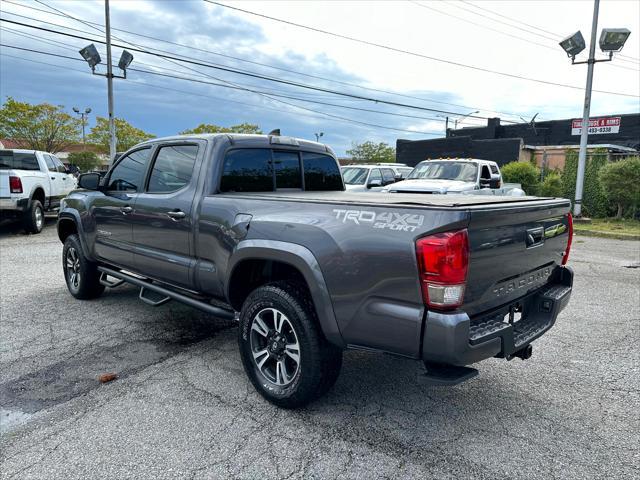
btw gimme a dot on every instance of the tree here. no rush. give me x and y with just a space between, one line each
209 128
551 186
621 183
85 161
372 152
524 173
126 134
39 127
594 200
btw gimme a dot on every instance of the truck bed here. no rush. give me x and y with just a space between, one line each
400 199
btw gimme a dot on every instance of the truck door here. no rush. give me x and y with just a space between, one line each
55 182
67 182
162 220
112 211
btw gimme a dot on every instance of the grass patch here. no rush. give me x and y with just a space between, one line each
610 225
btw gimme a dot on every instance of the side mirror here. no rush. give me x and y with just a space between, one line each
89 181
495 181
374 183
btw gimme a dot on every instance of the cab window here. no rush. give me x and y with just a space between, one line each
287 168
321 172
51 166
247 170
127 175
172 168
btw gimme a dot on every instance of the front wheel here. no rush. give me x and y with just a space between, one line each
282 348
81 275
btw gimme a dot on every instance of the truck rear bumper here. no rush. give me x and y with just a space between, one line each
456 339
13 206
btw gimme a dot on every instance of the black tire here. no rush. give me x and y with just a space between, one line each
319 362
81 275
34 217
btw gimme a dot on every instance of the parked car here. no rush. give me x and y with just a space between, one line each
455 176
369 178
31 183
259 228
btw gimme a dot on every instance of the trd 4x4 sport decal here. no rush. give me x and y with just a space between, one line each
405 222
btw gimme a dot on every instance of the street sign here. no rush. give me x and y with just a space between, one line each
597 126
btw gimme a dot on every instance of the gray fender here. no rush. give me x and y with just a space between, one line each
74 216
302 259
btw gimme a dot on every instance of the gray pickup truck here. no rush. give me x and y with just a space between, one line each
259 228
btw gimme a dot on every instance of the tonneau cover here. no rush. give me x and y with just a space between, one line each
408 200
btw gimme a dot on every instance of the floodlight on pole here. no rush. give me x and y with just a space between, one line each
318 135
459 120
91 56
611 40
573 44
83 120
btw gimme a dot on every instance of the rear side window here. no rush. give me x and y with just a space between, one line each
321 172
247 170
485 173
173 168
127 175
48 159
287 168
18 160
60 168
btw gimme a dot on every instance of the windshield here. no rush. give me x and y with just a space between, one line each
354 176
447 170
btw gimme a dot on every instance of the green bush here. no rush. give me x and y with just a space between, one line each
621 184
551 186
85 161
594 201
524 173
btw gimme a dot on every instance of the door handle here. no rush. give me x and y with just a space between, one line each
177 214
126 210
53 178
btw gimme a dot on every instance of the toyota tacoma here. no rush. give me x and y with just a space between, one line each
260 229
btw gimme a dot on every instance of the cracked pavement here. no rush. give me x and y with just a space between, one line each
183 408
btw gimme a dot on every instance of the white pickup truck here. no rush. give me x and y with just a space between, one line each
456 176
32 182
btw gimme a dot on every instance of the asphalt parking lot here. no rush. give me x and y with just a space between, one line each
182 406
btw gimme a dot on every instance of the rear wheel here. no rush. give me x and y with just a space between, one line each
283 351
34 217
81 275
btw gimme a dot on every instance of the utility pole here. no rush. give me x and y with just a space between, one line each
584 133
112 126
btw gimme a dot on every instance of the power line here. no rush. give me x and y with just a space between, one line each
555 49
344 119
233 84
424 99
555 36
415 54
242 72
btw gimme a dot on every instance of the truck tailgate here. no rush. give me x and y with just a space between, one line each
514 249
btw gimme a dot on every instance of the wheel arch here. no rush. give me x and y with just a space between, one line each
69 224
282 260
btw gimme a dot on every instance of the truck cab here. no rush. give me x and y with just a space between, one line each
450 176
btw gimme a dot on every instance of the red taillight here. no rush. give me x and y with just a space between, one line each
565 257
15 185
443 259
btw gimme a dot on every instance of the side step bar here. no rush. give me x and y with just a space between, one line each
169 294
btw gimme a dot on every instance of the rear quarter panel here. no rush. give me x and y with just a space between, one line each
367 257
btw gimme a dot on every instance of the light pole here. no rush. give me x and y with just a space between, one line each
318 135
611 40
455 124
92 57
83 119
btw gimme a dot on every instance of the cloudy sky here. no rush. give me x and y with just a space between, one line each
447 46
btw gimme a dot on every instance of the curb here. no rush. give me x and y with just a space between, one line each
597 233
